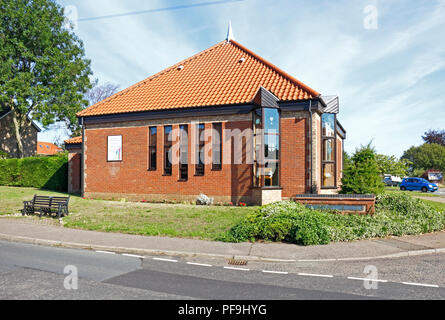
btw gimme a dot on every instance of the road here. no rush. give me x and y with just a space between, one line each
37 272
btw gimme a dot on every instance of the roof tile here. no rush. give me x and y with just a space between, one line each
212 77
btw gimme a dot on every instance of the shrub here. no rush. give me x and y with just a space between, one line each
396 214
4 155
361 175
38 172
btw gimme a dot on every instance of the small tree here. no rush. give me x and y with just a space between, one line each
361 175
391 165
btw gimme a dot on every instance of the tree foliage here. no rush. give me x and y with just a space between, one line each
427 156
435 136
43 70
391 165
361 175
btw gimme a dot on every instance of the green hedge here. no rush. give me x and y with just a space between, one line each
39 172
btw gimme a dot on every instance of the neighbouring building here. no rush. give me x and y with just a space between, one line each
434 176
8 141
47 149
225 123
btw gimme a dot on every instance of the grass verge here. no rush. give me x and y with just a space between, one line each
175 220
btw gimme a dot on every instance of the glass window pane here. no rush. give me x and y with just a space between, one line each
328 175
271 121
328 150
271 174
271 147
257 118
328 123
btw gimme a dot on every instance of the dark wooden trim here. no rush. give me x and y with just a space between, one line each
173 113
302 105
73 146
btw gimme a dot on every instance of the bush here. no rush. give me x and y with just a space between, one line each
361 175
39 172
4 155
396 214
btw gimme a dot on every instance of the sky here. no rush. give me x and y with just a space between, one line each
385 59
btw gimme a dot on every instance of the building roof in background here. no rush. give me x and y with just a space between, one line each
75 140
47 148
225 74
4 113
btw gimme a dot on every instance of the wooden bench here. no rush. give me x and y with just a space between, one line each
46 205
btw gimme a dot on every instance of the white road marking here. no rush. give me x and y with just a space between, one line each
132 255
316 275
275 272
421 284
106 252
365 279
166 260
239 269
199 264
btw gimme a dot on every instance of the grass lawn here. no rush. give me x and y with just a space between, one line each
439 206
173 220
412 193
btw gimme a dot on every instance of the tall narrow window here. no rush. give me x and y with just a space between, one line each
200 143
152 148
328 155
167 150
217 146
183 152
267 148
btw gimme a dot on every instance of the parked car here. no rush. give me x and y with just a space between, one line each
392 181
419 184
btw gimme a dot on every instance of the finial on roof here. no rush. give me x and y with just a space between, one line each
230 33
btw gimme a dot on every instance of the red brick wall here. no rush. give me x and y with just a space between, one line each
74 161
293 156
131 176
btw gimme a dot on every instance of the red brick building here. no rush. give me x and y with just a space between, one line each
225 123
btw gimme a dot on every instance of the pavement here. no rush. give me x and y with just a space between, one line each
33 231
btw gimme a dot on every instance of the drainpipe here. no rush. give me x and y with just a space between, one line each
311 134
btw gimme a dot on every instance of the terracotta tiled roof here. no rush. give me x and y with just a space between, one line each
213 77
75 140
47 148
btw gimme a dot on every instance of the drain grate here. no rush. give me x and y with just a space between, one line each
237 262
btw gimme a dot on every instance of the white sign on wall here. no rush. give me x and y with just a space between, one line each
115 148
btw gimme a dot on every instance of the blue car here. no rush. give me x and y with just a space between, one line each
418 184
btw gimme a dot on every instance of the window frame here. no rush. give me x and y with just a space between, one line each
151 146
200 149
215 166
183 167
261 182
168 144
334 153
